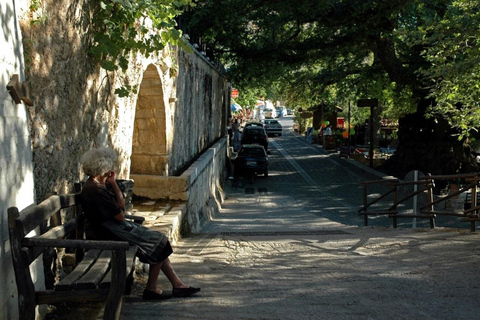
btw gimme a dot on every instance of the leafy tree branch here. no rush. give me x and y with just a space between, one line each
127 27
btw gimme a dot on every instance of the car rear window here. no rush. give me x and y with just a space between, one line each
254 131
252 152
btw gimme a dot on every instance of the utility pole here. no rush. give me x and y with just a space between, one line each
372 103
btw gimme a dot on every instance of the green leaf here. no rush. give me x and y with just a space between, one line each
119 33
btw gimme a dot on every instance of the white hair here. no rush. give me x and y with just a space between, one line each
98 161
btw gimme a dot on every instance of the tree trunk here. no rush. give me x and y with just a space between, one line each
428 145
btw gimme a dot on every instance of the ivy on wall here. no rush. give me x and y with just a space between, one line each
126 27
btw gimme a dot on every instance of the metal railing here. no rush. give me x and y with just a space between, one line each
424 185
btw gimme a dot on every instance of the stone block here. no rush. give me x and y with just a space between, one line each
152 90
158 213
177 184
142 124
144 113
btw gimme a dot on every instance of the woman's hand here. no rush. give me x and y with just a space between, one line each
111 176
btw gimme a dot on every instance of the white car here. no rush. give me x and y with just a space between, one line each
270 113
272 127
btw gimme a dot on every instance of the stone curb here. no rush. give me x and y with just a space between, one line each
166 220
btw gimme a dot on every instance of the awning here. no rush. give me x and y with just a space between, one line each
236 107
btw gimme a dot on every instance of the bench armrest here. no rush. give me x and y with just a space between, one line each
136 219
77 244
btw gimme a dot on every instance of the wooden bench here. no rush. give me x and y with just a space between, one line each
104 270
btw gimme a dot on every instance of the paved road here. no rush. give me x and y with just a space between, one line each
292 247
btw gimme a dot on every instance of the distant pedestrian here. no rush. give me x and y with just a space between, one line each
236 130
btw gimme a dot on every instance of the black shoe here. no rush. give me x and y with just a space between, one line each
151 295
184 292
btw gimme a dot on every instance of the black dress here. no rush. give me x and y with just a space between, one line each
100 206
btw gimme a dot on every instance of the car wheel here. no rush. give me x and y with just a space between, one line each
266 174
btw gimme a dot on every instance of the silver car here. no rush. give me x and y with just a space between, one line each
272 127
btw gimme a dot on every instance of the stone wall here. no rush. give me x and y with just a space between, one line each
198 118
74 108
178 113
181 108
200 186
171 128
205 193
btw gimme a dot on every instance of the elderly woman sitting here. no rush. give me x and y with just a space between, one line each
104 211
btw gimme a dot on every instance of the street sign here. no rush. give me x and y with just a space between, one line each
234 93
340 122
306 115
367 103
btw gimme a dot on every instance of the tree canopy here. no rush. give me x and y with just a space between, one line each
400 51
419 58
453 51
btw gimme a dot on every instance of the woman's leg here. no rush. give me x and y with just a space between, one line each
153 273
179 289
171 275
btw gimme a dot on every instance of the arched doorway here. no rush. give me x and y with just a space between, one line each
149 145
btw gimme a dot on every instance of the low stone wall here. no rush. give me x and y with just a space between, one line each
199 186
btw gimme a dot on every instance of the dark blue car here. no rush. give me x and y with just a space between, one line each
251 160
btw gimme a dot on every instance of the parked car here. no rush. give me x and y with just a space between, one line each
255 135
253 123
272 126
270 113
251 160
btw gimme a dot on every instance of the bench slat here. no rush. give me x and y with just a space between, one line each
96 273
61 231
33 216
130 265
52 296
78 244
68 282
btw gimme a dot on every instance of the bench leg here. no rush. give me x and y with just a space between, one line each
129 283
113 305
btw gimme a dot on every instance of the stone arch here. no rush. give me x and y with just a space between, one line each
149 145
